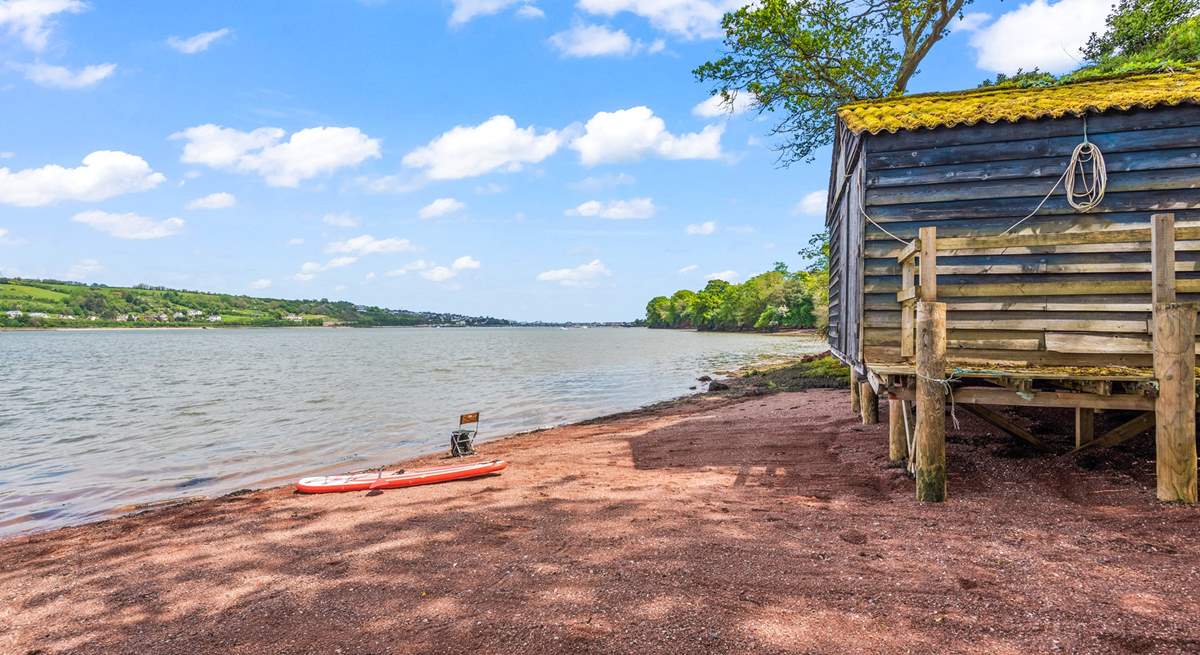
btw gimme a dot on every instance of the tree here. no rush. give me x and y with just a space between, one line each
805 58
656 311
1135 25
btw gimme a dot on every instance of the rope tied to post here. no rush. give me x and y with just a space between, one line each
949 390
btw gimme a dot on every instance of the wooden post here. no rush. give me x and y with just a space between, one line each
897 439
908 310
870 404
1162 257
1175 407
928 236
930 455
854 390
1085 425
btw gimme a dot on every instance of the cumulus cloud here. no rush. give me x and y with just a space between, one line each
32 21
466 262
616 210
728 276
689 19
369 245
440 207
221 200
701 229
467 10
629 134
716 106
443 273
129 225
690 268
1038 34
260 283
812 204
468 151
84 269
198 43
309 270
970 21
104 174
60 77
530 11
418 265
306 154
600 41
584 275
342 219
598 182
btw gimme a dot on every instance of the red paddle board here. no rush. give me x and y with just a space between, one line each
391 479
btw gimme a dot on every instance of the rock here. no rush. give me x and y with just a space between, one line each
853 537
717 385
704 378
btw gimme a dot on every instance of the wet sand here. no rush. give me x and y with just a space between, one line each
761 524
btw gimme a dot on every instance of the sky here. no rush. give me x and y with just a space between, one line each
526 159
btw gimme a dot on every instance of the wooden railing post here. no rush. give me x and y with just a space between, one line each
1175 406
930 441
1162 258
928 236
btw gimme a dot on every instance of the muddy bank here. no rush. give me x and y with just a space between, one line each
727 523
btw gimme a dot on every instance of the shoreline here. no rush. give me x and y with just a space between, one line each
741 522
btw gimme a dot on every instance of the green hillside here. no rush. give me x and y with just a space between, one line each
52 303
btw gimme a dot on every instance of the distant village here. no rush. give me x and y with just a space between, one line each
191 315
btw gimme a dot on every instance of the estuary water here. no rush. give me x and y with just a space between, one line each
93 422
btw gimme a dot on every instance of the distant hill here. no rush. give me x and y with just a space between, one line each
54 303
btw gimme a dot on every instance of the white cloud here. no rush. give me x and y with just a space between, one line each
629 134
438 274
104 174
812 204
530 11
440 207
466 10
84 269
309 270
60 77
31 21
728 276
598 182
342 219
220 200
261 283
199 43
307 153
970 22
599 41
716 107
129 225
702 229
441 273
690 19
418 265
466 262
7 154
616 209
1039 34
369 245
690 268
583 275
491 188
497 143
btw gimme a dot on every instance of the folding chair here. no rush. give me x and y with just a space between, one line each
462 440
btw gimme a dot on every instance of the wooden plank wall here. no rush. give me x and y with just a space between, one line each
979 180
844 224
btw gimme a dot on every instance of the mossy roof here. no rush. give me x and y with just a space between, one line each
991 105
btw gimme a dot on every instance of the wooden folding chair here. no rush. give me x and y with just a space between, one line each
462 440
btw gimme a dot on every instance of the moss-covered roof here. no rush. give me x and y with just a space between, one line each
990 105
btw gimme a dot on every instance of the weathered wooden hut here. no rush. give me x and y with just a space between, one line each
952 206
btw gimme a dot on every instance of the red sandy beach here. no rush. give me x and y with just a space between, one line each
760 524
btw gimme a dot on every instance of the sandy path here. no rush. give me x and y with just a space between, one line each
770 524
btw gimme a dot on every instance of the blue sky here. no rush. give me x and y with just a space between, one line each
524 159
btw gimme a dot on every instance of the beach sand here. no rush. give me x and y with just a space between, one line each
716 524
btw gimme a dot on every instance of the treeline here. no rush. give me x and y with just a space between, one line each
773 300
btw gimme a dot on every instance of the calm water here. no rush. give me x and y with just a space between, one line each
94 421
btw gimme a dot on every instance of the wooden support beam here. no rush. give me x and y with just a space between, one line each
897 439
1162 257
930 455
996 396
1175 407
928 263
998 420
1121 433
870 404
908 293
1085 425
909 251
855 401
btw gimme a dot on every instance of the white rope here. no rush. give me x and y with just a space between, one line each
945 382
885 230
1092 192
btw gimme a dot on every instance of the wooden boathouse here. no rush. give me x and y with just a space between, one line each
1022 247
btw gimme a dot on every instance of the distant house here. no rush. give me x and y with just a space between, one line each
161 317
38 315
194 312
14 313
214 318
295 318
67 317
177 315
93 317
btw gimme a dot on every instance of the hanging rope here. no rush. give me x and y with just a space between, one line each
1094 181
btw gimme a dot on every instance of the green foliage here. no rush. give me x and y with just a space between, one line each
1138 25
777 299
805 58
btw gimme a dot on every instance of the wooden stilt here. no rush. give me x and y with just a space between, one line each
1121 433
897 439
1175 407
930 455
855 401
870 404
1000 421
1085 426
